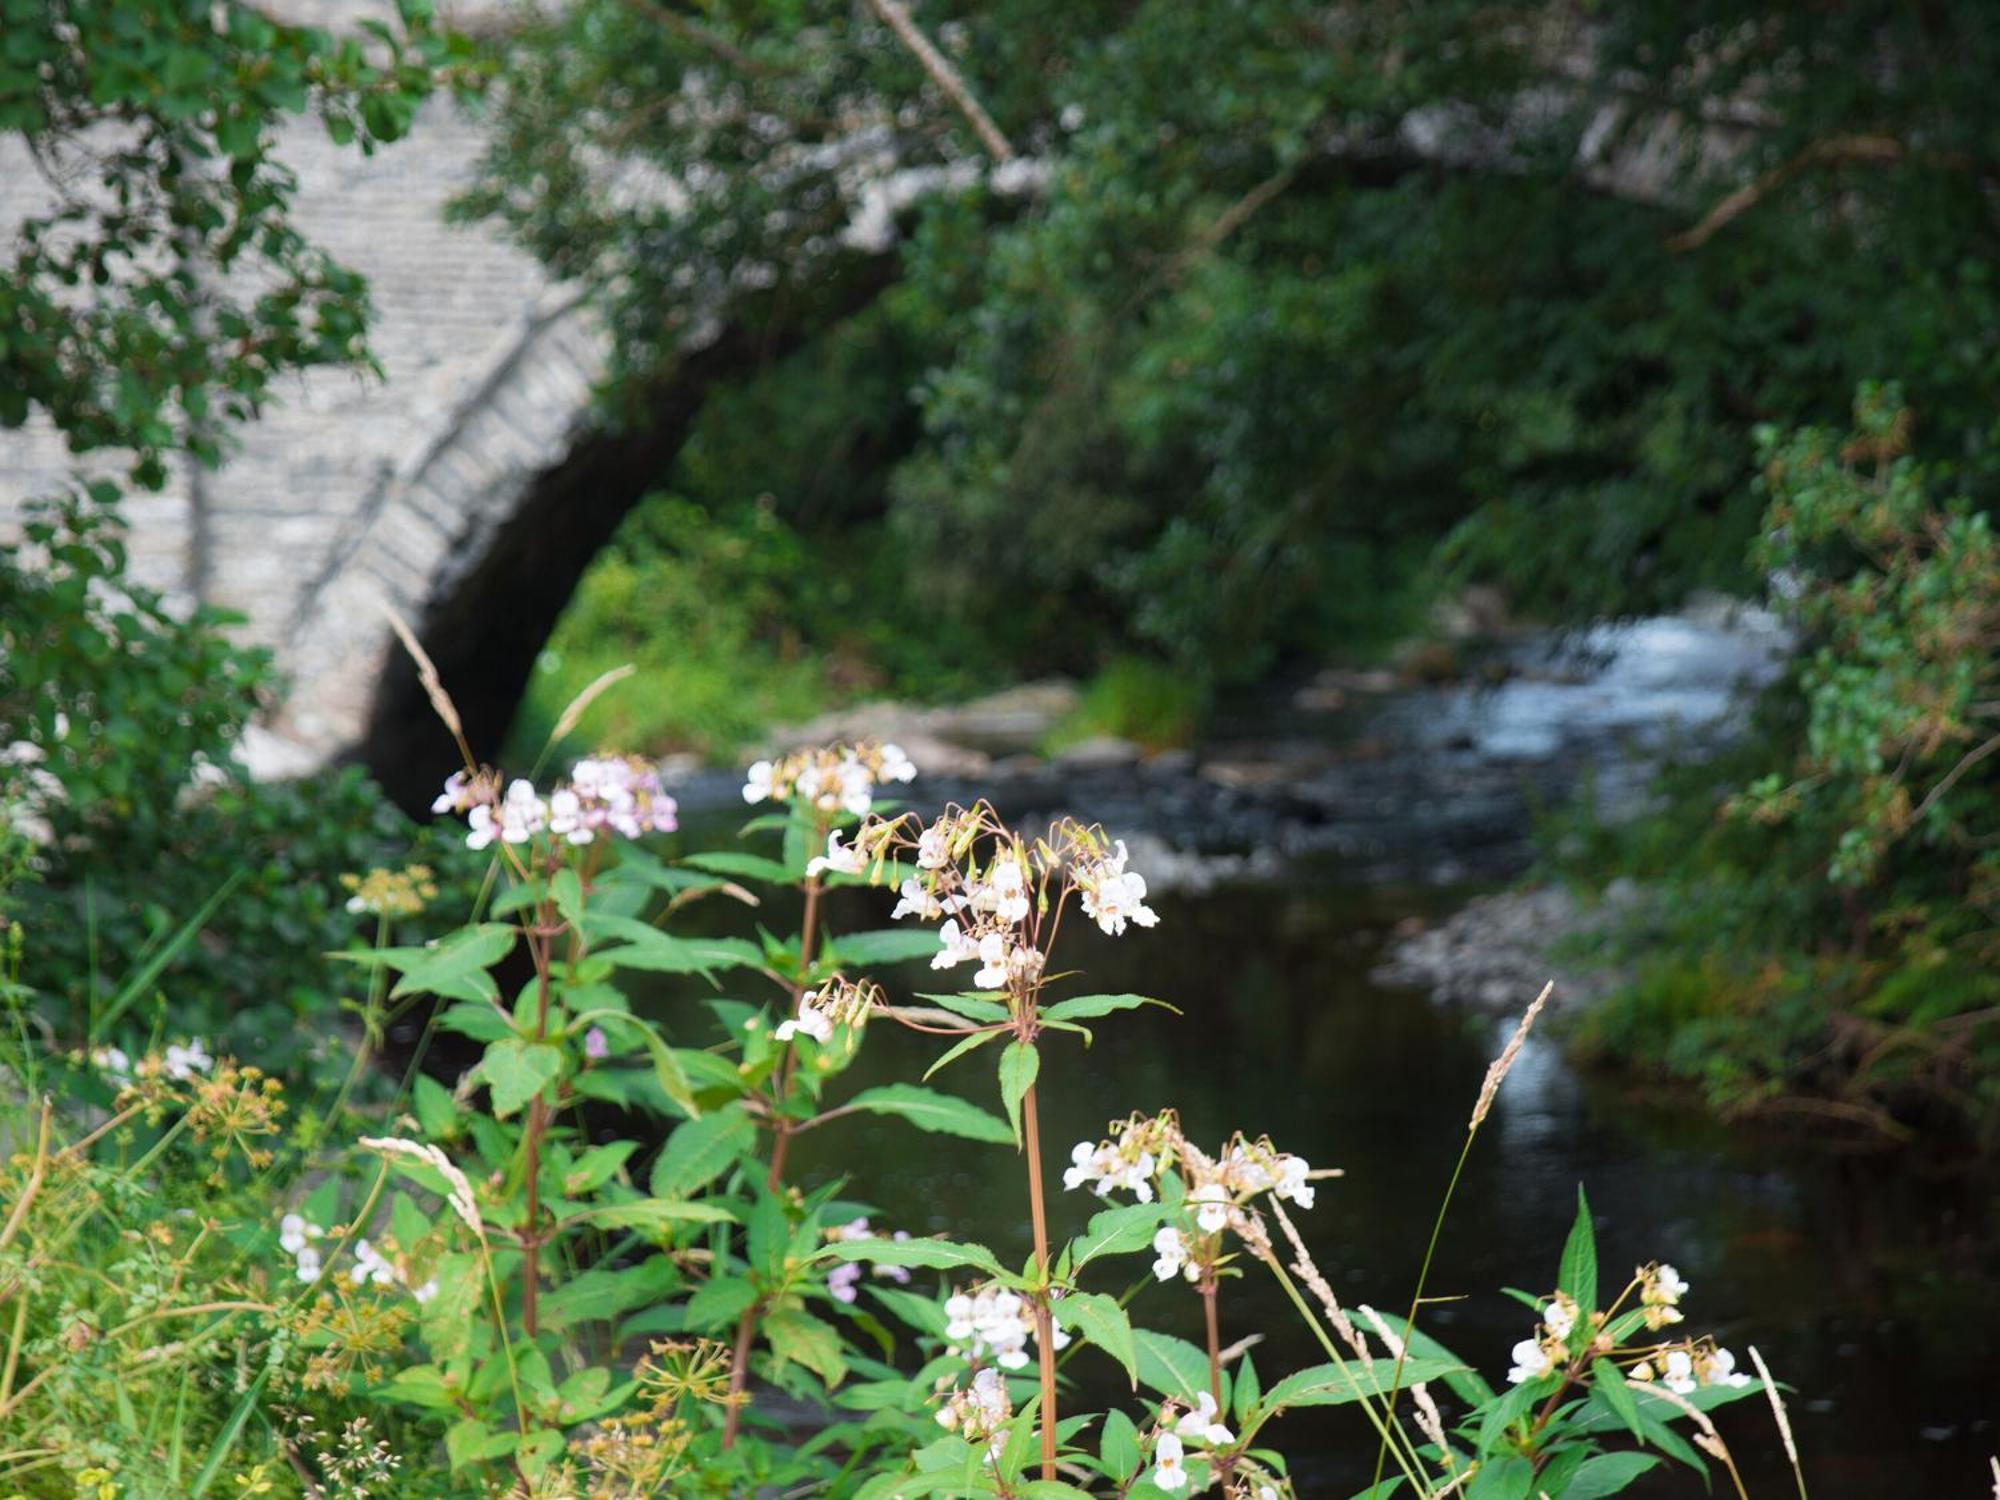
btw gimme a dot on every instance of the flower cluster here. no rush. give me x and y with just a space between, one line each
181 1061
990 890
1142 1148
1660 1293
829 778
1539 1356
844 1281
993 1323
1686 1369
820 1010
113 1064
979 1411
611 794
390 893
233 1107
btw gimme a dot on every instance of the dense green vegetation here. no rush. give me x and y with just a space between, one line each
1304 309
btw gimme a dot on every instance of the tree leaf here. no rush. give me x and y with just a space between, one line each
929 1110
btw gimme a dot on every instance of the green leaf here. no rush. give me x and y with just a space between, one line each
941 1255
654 1214
1118 1445
517 1069
932 1111
1336 1385
1102 1321
743 866
1018 1066
719 1302
436 1110
1609 1383
977 1008
1578 1276
889 945
922 1313
478 1020
1607 1474
646 947
1468 1384
1082 1007
225 1440
470 1441
1174 1367
567 889
1116 1231
701 1150
1506 1477
960 1048
802 1337
456 967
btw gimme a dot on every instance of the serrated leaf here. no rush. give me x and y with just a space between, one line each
960 1048
1118 1446
976 1008
932 1111
456 968
654 1214
701 1150
1174 1367
1018 1066
516 1070
1607 1474
1103 1322
1578 1276
888 945
800 1336
1337 1385
1116 1231
567 889
1083 1007
1608 1382
742 866
941 1255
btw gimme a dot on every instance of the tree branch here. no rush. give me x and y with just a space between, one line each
944 76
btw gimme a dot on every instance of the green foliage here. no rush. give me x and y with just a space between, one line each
1832 927
166 288
1293 316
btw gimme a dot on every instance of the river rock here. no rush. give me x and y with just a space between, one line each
1498 951
1098 753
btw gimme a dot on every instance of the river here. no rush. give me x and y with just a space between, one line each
1871 1284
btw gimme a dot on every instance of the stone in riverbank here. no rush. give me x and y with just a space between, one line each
1498 951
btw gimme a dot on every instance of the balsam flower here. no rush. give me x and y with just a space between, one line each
1169 1469
1202 1424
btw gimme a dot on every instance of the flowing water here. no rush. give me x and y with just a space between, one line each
1872 1285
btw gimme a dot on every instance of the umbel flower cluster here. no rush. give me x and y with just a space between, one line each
829 778
996 897
607 795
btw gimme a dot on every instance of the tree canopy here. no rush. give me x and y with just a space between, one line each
1243 319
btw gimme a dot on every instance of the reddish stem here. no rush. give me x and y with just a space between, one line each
1044 1340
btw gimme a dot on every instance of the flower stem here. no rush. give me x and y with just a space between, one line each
781 1126
1044 1320
1214 1340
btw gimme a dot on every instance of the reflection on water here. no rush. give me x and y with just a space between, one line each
1869 1289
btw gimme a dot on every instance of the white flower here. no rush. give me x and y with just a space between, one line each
895 766
308 1264
480 827
1531 1362
1669 1286
456 796
1559 1317
842 860
294 1232
1169 1473
992 974
757 782
1720 1369
1212 1210
425 1292
933 847
182 1063
522 813
857 787
1005 892
1171 1246
112 1063
917 902
1113 896
1200 1425
958 946
1677 1372
815 1023
566 817
1292 1181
